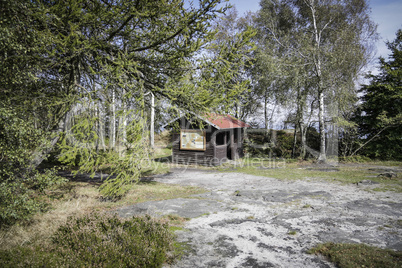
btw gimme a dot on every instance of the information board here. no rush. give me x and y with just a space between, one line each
192 140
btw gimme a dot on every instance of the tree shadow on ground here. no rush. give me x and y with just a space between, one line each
165 159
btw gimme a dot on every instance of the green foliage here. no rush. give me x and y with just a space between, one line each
358 255
312 51
18 139
355 159
277 143
16 203
99 240
226 73
380 115
33 257
77 148
67 66
20 199
20 185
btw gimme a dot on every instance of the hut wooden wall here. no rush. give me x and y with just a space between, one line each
214 154
206 157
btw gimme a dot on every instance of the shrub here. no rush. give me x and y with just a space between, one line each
20 183
99 240
33 257
105 240
355 159
15 203
20 198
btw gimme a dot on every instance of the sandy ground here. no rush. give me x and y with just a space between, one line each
251 221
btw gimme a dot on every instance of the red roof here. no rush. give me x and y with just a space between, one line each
225 121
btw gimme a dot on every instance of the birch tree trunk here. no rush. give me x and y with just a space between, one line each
112 142
303 140
152 127
318 68
124 119
322 156
101 129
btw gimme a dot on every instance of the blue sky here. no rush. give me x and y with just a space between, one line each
386 13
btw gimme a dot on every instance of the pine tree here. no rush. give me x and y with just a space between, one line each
380 115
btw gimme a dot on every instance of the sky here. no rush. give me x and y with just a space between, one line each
387 14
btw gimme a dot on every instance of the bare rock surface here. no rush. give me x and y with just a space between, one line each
251 221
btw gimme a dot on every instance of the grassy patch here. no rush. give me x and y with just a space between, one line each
80 198
154 191
306 170
358 255
34 238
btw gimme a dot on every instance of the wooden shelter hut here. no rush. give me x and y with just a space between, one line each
208 140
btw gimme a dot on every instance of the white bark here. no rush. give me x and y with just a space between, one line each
152 127
124 120
317 61
112 142
322 156
101 129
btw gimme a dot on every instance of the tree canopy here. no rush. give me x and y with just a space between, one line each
319 48
77 71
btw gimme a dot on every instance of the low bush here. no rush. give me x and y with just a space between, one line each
358 255
109 241
355 159
99 240
21 198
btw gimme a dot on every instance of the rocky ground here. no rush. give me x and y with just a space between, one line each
251 221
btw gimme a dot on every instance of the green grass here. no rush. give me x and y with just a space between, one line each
293 232
295 170
358 255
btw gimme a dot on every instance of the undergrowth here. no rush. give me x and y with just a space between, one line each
358 255
99 240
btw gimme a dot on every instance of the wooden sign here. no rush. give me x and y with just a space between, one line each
192 140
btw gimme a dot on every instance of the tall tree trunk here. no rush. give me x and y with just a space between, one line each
101 126
112 142
294 142
124 119
152 127
317 61
303 140
265 112
322 156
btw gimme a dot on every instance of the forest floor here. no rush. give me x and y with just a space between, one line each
247 220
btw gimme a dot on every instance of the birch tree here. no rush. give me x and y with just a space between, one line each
331 40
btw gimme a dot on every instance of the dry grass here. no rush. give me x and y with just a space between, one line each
77 202
163 139
80 199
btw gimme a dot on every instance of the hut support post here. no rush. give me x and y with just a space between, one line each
232 147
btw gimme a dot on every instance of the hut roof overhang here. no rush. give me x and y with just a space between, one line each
218 121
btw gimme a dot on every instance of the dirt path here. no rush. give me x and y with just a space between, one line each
251 221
